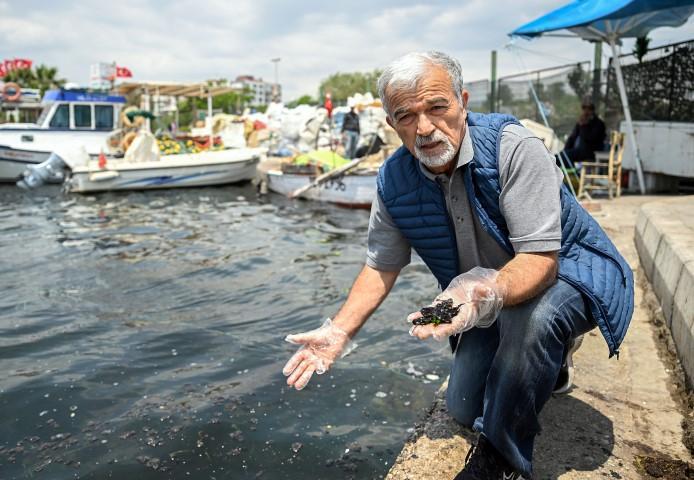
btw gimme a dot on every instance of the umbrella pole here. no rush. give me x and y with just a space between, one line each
627 114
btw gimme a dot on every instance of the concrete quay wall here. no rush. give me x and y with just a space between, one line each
664 238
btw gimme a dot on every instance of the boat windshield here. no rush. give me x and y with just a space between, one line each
44 114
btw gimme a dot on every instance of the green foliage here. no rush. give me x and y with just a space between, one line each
343 85
191 109
579 81
41 77
641 48
505 94
560 103
303 100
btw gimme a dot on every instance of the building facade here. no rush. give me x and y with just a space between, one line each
263 92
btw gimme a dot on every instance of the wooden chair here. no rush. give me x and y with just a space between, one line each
605 173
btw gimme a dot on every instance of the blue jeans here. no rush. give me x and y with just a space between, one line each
352 138
502 375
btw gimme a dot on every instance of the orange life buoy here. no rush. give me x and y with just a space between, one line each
11 86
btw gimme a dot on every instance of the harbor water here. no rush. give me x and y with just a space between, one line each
141 336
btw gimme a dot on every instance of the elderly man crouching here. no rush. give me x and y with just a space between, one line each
480 199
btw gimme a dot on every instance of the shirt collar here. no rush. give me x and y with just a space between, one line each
465 155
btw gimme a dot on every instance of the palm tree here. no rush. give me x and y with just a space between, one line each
41 77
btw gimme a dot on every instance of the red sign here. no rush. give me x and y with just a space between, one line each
15 64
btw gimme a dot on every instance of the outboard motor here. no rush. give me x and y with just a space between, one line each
52 170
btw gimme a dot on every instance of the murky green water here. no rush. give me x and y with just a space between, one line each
141 336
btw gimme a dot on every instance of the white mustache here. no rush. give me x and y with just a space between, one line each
435 136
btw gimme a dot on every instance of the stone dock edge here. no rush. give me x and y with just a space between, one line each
664 238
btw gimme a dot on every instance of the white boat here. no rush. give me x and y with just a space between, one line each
354 189
143 167
183 170
69 117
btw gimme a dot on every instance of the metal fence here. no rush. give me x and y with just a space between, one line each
660 87
558 89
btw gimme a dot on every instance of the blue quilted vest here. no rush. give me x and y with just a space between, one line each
587 259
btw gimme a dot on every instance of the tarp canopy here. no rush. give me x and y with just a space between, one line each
175 89
608 21
602 19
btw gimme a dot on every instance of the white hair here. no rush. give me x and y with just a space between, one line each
405 72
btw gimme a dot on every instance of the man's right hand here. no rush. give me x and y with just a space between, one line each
319 350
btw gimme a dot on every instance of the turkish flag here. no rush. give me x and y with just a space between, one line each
123 72
102 160
3 72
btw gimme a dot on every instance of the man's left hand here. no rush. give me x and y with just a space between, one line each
480 299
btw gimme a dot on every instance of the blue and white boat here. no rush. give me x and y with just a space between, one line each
69 117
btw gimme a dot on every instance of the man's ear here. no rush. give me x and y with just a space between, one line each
466 96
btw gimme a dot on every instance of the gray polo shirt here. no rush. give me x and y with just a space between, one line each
529 201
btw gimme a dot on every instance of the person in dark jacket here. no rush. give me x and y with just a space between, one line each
350 130
525 271
587 137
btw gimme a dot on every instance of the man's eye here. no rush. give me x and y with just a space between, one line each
439 108
407 118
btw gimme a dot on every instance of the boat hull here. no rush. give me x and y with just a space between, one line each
357 191
172 171
13 162
20 147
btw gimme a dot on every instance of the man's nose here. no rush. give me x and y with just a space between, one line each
424 125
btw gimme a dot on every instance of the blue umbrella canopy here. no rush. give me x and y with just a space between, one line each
604 19
608 21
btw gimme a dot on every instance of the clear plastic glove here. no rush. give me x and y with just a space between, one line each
320 348
480 299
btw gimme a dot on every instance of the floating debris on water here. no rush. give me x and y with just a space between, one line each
381 394
432 377
411 370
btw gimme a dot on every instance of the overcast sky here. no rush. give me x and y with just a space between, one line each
192 40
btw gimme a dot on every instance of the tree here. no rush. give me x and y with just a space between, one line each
579 81
303 100
641 48
343 85
504 94
41 77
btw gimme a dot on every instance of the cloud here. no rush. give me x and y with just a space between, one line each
191 40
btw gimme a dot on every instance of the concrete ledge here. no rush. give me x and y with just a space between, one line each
664 239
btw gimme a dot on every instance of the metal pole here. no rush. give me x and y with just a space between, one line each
597 69
627 114
493 94
276 86
177 116
209 114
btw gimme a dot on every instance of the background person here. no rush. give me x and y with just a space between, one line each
350 129
481 201
587 136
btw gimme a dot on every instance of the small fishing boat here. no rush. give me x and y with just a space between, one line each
333 178
170 171
143 168
355 189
